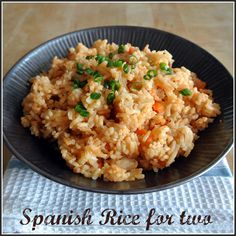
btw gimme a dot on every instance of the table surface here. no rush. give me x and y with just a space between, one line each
25 26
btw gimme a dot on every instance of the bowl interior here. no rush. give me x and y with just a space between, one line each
44 157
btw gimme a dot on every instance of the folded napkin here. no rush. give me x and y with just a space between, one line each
210 196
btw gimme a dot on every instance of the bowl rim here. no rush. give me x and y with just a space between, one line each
59 180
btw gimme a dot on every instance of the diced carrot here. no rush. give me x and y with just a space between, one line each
131 50
103 112
141 131
108 147
149 140
100 163
199 84
158 107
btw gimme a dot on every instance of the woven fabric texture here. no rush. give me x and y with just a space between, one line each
210 194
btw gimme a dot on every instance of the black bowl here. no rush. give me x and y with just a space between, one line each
41 155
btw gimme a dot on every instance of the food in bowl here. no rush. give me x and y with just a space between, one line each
116 110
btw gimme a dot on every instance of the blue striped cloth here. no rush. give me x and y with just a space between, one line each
210 194
220 169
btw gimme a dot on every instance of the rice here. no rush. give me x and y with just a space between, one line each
144 123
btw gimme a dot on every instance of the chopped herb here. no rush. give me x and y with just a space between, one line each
100 58
110 98
106 84
121 48
126 68
169 71
114 85
110 55
80 69
96 74
89 71
118 85
152 73
133 67
83 83
95 96
147 77
185 92
81 110
133 60
165 68
75 85
97 77
89 57
84 113
110 64
79 66
118 63
79 84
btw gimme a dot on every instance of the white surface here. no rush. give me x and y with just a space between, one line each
206 195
